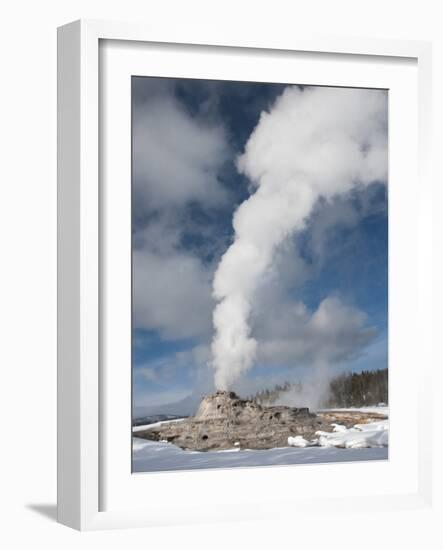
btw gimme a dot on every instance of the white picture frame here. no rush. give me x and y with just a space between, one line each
83 398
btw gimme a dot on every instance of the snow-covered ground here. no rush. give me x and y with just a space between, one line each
152 456
361 443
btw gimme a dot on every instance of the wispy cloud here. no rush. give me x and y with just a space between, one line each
176 157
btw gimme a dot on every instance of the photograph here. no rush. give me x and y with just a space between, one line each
259 274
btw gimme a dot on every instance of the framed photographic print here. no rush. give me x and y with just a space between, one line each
240 303
259 222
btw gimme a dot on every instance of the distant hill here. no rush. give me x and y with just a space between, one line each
185 407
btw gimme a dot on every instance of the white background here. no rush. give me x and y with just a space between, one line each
28 269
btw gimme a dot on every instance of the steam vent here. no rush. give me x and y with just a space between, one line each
224 421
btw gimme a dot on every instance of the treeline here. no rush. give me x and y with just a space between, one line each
358 389
269 396
345 390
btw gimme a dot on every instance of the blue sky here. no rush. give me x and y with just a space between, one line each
187 136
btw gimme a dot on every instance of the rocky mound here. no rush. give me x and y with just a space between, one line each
224 421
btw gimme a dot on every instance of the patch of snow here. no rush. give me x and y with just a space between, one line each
155 424
374 434
371 410
338 428
382 425
297 441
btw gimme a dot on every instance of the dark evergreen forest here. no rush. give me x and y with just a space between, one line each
352 389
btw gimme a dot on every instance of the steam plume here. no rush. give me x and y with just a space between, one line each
316 142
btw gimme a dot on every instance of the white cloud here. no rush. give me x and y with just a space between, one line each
148 373
291 335
176 156
164 369
176 161
172 294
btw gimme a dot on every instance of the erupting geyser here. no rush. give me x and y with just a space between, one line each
224 421
313 143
